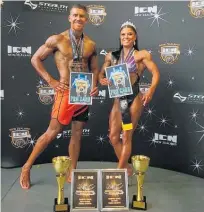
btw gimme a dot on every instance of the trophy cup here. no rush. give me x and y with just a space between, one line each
140 164
61 165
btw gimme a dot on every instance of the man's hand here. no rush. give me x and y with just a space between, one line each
94 92
104 81
58 86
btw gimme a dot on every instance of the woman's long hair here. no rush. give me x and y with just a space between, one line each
116 54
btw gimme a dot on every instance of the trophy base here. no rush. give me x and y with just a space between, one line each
63 207
139 205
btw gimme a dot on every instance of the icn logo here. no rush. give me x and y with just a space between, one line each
18 51
145 11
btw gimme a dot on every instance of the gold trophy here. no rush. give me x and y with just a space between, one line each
61 165
140 164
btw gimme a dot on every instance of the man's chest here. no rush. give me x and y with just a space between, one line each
83 51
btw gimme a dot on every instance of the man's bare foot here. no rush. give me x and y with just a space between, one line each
25 177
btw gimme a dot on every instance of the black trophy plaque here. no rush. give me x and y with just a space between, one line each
114 190
84 190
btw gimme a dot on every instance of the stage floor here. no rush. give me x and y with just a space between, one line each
166 191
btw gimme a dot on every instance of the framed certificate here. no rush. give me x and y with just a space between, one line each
119 77
84 190
81 84
114 190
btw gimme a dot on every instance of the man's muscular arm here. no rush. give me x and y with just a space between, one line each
40 55
102 79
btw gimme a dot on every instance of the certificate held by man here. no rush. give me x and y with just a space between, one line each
81 84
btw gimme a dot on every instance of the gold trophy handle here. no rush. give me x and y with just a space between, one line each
140 182
60 181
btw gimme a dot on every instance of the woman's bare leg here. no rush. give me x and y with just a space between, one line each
135 111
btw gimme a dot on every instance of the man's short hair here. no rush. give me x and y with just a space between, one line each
79 6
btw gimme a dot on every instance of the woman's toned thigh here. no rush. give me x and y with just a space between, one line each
136 110
115 120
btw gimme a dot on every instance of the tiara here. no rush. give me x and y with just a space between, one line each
128 23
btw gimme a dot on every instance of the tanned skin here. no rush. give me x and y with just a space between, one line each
61 46
143 60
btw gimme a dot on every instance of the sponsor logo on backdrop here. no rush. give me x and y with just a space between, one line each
96 14
103 52
144 87
46 6
196 8
2 94
19 51
188 97
153 13
146 11
45 94
165 139
169 52
101 95
20 137
67 133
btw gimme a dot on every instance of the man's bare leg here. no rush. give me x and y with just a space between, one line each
75 145
54 128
